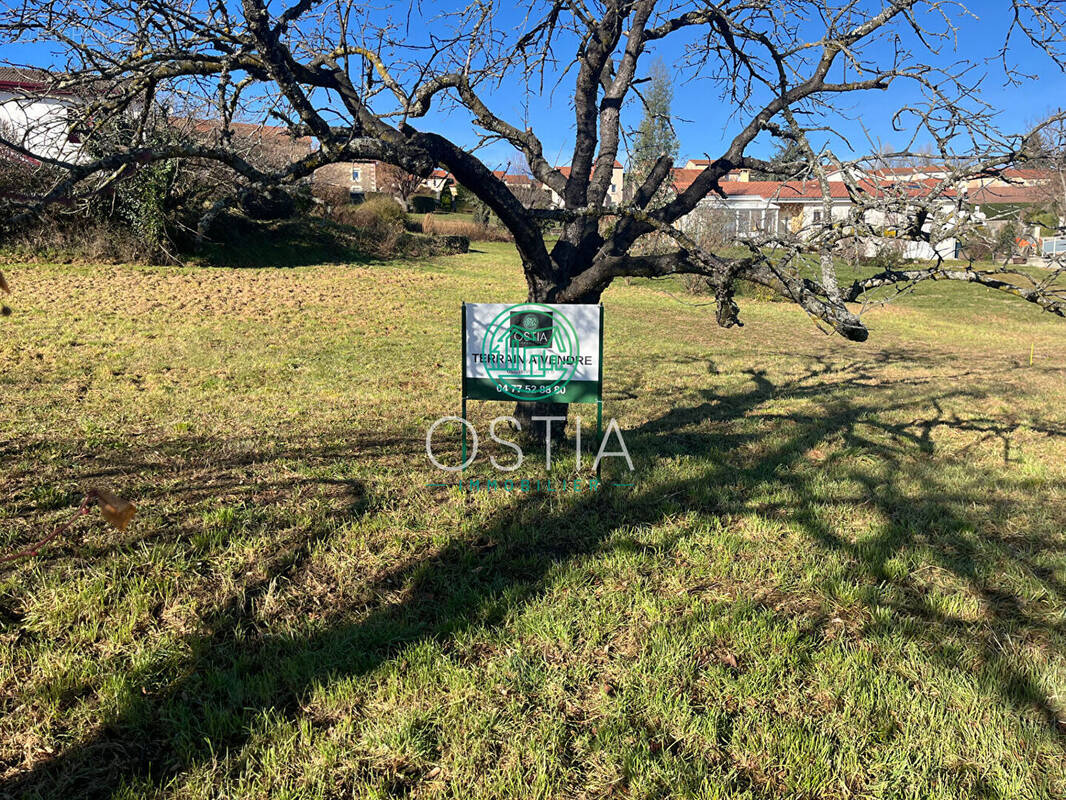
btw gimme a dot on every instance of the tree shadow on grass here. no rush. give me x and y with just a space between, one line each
740 446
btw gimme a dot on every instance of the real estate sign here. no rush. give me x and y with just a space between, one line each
533 351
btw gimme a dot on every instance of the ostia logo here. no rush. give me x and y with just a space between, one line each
531 328
529 352
601 453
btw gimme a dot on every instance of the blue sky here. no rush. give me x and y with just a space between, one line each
705 121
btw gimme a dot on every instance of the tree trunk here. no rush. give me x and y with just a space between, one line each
525 411
534 430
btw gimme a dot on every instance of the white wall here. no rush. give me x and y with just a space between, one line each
39 124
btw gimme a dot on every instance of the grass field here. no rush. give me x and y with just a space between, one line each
840 571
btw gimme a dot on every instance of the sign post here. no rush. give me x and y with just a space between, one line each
533 352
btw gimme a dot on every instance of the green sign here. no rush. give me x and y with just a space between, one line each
533 351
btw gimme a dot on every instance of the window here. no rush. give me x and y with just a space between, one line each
613 190
355 173
817 217
74 127
743 221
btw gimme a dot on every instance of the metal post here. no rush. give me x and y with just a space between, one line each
599 424
462 412
599 394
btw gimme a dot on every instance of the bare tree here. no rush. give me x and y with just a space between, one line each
355 78
398 182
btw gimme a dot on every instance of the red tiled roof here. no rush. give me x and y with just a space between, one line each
566 168
1008 194
885 172
1027 174
808 190
789 190
245 130
511 179
25 78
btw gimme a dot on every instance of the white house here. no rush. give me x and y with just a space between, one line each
36 116
753 209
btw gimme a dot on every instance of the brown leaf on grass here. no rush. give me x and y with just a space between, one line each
433 773
117 511
728 659
3 284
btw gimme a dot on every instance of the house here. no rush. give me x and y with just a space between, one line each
1031 208
757 209
515 180
922 172
37 116
357 178
267 147
360 178
615 192
700 164
1014 176
439 181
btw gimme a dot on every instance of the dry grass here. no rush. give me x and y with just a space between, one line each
442 226
839 573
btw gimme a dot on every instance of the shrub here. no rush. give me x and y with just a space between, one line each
375 212
482 213
330 195
701 285
976 250
442 226
889 255
697 284
423 203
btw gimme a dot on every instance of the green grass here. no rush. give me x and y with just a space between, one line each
840 571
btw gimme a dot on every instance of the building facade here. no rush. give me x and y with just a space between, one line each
36 116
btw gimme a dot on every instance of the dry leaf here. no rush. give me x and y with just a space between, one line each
729 660
117 511
3 285
433 773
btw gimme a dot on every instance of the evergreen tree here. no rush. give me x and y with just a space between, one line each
655 136
786 163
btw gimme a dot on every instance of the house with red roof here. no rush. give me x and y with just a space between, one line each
361 178
36 116
1032 199
615 192
767 209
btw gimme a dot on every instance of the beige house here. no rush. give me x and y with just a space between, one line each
615 192
359 178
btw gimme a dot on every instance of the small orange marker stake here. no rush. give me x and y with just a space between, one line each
117 511
1031 348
